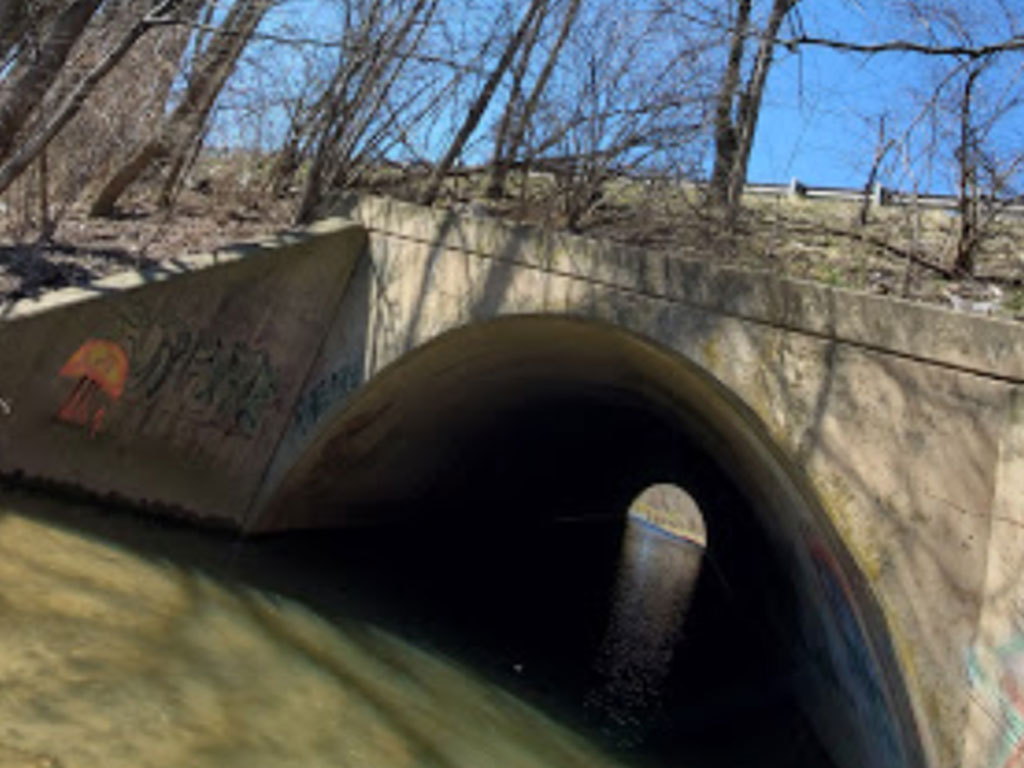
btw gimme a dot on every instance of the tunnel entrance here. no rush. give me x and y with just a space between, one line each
482 488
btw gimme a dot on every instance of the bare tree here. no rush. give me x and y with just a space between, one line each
482 101
36 143
35 70
726 141
882 148
517 117
974 89
738 108
630 98
514 101
174 138
967 162
354 112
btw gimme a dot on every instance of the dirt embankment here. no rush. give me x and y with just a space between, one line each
819 241
82 249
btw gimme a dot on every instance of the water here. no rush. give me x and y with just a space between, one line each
655 578
127 641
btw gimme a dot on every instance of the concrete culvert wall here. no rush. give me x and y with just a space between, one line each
503 424
877 444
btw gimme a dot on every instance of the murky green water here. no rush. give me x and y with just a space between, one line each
108 658
126 641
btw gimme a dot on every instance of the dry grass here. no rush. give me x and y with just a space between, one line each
82 249
822 241
816 240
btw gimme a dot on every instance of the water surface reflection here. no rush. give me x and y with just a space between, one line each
111 659
657 573
130 641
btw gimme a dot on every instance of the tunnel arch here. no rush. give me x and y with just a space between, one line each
476 382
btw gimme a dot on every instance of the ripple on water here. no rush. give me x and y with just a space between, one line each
110 659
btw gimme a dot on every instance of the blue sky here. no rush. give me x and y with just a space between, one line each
820 117
816 120
819 120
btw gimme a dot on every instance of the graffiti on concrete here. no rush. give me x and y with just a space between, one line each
224 383
999 689
853 657
99 369
325 393
166 352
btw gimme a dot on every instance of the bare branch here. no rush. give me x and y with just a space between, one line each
35 144
907 46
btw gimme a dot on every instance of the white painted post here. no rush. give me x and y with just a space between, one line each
879 195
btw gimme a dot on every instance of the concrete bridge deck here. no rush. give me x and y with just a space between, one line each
327 378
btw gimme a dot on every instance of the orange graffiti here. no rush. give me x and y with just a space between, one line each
99 366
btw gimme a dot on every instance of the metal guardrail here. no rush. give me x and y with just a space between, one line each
880 196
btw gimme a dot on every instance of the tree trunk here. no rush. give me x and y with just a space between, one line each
501 155
750 103
483 99
32 75
881 150
288 158
967 156
126 175
331 116
522 124
45 220
725 129
184 149
179 130
347 116
215 69
40 139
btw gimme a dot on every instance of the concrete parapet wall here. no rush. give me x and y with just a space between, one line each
988 347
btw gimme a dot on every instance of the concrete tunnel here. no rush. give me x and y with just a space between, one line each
498 430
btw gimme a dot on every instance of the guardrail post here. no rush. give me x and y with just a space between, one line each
879 195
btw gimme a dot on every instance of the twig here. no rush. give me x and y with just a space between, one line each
32 146
1015 43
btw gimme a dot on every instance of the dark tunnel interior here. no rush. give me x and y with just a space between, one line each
503 549
478 490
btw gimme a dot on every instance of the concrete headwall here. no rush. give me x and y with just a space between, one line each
171 388
904 419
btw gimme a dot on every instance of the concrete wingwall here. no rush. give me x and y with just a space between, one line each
171 388
904 420
885 439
